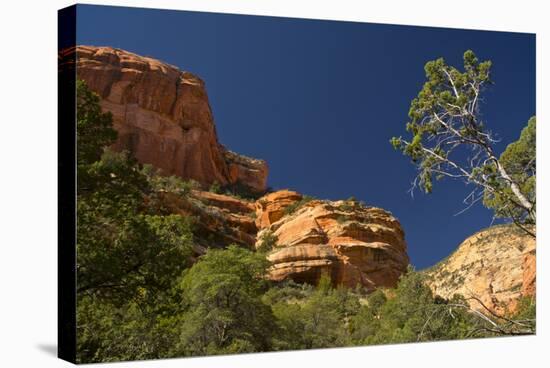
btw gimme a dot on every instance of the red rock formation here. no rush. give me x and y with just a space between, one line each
220 220
351 243
230 204
270 208
163 117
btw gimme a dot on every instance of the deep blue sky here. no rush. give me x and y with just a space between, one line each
319 100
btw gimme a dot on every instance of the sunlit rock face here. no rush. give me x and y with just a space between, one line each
352 244
163 118
495 266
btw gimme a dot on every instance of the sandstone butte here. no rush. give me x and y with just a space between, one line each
496 265
163 117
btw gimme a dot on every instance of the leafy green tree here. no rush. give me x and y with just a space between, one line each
224 310
127 269
268 241
411 314
120 247
133 257
450 139
215 188
318 321
172 184
94 129
366 322
525 316
109 333
129 258
113 183
519 160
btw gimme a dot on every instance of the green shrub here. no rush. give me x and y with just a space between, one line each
268 241
243 191
162 183
297 205
341 219
215 188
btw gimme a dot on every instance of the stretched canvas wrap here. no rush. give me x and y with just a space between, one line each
233 184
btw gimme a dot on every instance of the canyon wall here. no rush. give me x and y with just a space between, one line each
163 117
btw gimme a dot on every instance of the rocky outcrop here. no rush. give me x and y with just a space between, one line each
220 220
271 207
163 117
495 265
351 243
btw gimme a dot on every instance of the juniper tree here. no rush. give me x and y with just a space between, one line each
519 160
450 138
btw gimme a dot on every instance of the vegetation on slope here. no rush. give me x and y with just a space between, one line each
141 297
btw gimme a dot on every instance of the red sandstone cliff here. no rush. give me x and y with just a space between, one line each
163 117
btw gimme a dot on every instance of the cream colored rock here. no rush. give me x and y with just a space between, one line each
529 285
493 265
352 244
163 117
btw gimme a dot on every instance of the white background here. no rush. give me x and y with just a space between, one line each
28 181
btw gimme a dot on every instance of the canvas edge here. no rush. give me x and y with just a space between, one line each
66 187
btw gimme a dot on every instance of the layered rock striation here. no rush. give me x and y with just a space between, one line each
220 220
494 267
351 243
163 117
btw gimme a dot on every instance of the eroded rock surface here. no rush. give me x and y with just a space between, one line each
220 220
353 244
271 207
495 265
163 117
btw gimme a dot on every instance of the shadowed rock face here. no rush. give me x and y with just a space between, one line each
495 265
163 117
353 244
220 220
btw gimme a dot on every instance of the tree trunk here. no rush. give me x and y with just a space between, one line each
524 202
